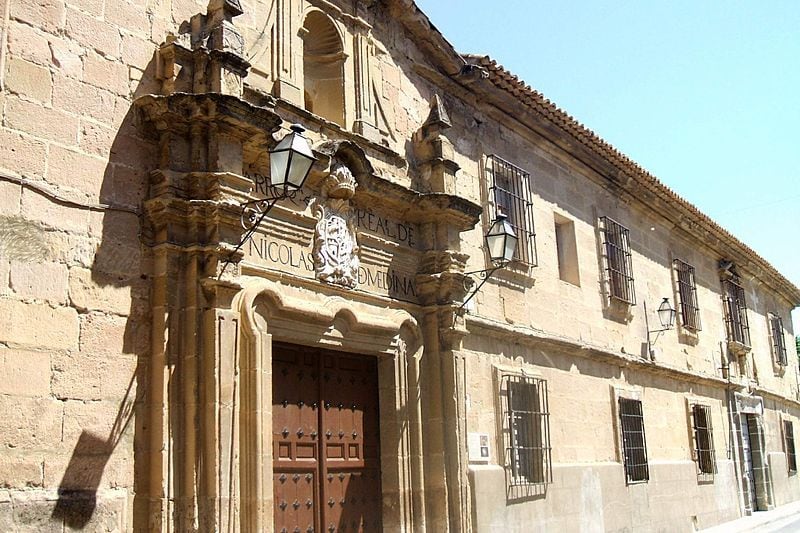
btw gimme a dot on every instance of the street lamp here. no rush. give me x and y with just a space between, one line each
666 315
501 242
289 164
290 161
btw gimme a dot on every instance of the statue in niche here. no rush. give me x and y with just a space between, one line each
335 244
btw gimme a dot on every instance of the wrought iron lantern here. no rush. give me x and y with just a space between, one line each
666 315
291 161
501 243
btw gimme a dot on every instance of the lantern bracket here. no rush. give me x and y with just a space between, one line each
480 277
666 315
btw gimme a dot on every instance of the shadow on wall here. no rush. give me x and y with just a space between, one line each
117 284
77 492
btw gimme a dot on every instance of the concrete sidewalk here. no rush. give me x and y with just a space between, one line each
757 520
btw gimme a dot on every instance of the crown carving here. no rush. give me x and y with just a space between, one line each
340 183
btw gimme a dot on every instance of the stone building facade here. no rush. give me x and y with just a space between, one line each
325 374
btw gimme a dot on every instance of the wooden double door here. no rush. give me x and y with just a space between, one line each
325 434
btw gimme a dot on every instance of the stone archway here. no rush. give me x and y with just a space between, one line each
272 312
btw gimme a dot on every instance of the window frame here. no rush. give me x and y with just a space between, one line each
511 193
777 339
527 452
631 425
703 456
735 307
618 260
686 281
791 452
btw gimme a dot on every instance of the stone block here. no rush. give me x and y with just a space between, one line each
83 99
104 335
45 14
95 138
106 73
30 423
90 7
38 325
27 43
39 281
10 197
33 511
137 52
101 294
25 373
127 15
44 122
93 33
28 79
89 466
44 210
18 470
22 154
76 170
78 376
67 57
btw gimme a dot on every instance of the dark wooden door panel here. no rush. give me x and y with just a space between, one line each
326 441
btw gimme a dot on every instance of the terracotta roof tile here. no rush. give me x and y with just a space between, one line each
509 82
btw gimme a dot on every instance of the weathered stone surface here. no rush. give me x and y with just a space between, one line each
38 325
40 121
25 373
30 423
79 376
30 80
22 154
40 281
45 14
100 293
20 470
76 170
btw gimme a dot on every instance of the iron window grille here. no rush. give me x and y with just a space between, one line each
791 459
618 260
526 416
634 447
735 311
511 194
703 441
687 291
778 344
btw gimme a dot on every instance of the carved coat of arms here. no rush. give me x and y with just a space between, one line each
335 244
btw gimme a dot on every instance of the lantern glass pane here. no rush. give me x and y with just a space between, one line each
495 243
511 247
278 161
298 170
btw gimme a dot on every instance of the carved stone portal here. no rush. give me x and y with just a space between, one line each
335 244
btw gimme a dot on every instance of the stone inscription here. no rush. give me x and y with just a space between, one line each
396 231
300 261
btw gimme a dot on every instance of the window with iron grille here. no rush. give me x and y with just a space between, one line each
526 418
618 260
735 311
687 291
788 432
634 447
776 334
510 190
703 441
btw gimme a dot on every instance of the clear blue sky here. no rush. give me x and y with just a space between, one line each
705 95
